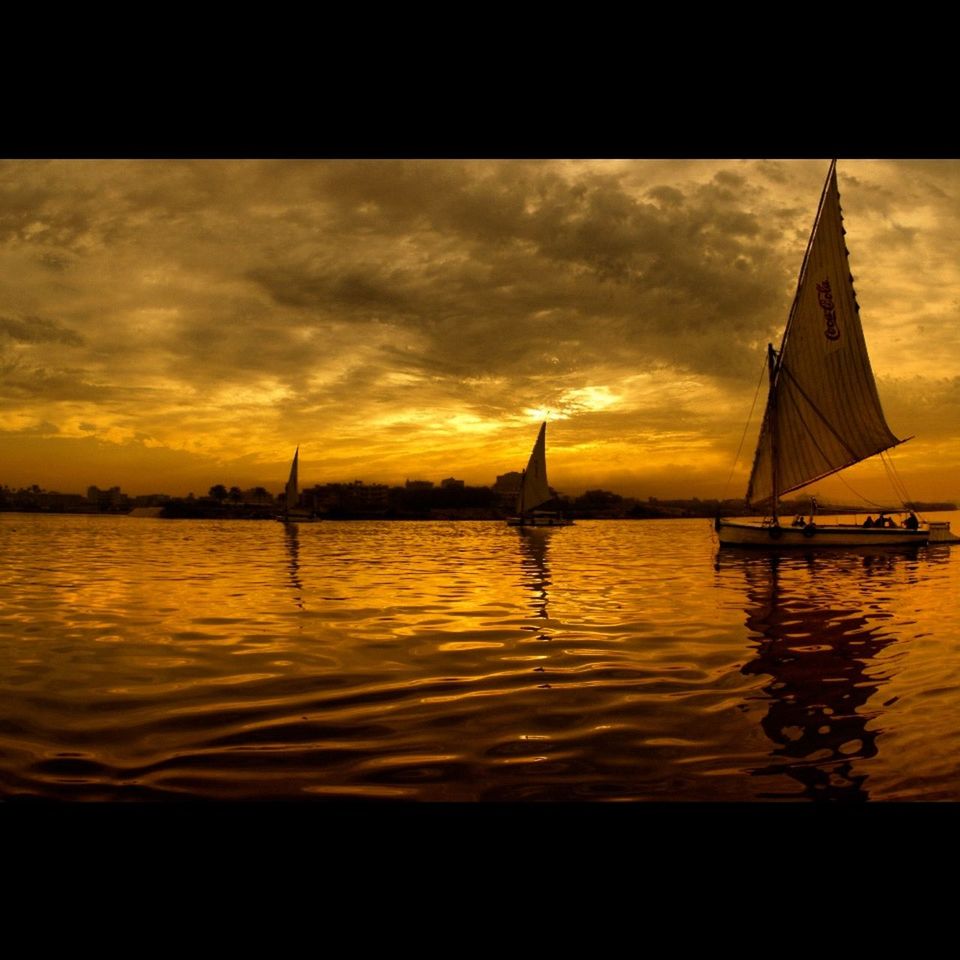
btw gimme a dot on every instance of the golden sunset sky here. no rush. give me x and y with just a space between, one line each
167 325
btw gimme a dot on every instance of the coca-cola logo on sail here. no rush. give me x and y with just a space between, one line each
825 298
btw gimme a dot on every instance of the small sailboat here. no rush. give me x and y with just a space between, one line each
291 497
534 491
823 412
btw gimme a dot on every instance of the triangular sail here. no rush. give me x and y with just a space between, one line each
533 487
292 495
823 413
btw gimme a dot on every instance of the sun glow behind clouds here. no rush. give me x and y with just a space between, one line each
468 423
264 394
588 399
574 401
542 413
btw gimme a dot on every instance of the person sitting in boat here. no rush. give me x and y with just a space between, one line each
883 520
912 523
798 521
869 522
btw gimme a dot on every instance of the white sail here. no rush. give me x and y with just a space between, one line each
534 490
292 495
823 413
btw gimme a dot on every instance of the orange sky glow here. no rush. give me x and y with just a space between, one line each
169 325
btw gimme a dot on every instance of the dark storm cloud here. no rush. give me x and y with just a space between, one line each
55 263
488 251
28 382
469 257
361 287
39 330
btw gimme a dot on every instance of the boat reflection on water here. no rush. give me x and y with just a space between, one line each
820 624
534 542
533 560
291 539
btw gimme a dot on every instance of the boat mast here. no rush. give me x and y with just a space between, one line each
774 360
772 420
806 255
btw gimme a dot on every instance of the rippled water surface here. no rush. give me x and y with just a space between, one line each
151 659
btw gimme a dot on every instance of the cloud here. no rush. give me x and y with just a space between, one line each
926 407
38 330
390 313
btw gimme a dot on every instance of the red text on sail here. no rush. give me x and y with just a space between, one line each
832 331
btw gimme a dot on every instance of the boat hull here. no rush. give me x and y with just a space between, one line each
734 533
940 532
298 518
538 522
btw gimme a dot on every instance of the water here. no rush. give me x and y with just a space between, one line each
153 659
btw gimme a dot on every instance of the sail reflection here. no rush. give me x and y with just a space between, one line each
291 539
534 543
820 623
536 572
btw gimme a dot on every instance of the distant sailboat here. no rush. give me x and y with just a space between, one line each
291 497
534 491
823 412
291 494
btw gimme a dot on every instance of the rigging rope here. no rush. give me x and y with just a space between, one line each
857 493
746 426
898 486
895 479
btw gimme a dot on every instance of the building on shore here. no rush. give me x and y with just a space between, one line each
507 487
150 500
508 483
113 500
356 497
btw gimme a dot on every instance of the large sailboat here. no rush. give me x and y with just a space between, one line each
823 413
291 498
535 492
